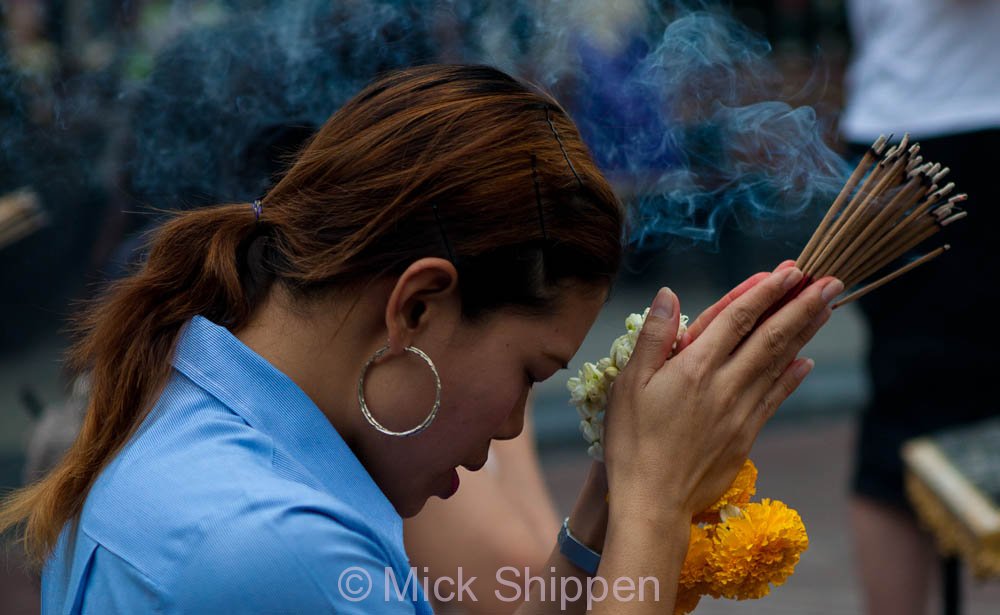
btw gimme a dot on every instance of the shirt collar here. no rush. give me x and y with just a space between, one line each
218 362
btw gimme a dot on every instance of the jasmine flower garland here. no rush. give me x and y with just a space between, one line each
589 390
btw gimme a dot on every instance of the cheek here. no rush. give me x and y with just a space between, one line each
481 404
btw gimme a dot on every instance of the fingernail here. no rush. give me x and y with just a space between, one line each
802 369
831 290
792 277
663 304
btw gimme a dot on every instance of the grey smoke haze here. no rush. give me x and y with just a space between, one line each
676 103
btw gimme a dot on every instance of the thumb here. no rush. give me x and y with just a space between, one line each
656 339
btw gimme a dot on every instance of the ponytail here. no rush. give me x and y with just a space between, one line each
126 340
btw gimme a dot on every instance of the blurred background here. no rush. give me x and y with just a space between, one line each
717 124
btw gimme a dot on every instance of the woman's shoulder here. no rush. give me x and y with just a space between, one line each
212 510
193 473
218 529
279 558
270 556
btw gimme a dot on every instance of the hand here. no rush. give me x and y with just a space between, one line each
678 431
696 328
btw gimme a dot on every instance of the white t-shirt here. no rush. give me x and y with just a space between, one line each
929 68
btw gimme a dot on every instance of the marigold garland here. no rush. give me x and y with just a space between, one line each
737 549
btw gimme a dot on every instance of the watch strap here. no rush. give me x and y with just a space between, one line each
579 554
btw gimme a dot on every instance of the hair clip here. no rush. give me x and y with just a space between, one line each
562 147
538 196
444 236
258 208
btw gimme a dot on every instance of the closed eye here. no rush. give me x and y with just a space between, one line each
530 379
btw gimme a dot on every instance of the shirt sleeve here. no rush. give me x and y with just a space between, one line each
294 561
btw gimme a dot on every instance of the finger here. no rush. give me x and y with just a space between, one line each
698 326
656 339
762 359
793 375
706 317
740 317
775 369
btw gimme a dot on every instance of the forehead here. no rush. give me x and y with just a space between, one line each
563 327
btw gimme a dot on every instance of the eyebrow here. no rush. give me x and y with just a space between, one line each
563 362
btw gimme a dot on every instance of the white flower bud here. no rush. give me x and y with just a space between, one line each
591 375
593 408
729 511
596 451
591 432
577 392
621 350
634 322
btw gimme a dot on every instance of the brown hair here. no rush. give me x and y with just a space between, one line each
462 162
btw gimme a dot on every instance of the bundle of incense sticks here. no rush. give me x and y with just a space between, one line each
892 202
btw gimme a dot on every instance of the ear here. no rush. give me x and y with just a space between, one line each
427 289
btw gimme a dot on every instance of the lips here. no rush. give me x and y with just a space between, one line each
455 482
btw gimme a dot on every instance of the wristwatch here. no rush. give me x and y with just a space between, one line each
579 554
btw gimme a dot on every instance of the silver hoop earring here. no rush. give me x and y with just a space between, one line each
367 412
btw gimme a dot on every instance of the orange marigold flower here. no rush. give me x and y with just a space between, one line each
695 572
738 494
759 548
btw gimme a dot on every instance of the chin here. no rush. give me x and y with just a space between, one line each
410 504
411 508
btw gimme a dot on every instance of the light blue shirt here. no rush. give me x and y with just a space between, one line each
236 495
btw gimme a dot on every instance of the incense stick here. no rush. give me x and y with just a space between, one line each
892 276
890 204
873 153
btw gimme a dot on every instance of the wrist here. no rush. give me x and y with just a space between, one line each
633 530
588 520
642 516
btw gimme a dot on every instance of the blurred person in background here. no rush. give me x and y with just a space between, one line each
929 70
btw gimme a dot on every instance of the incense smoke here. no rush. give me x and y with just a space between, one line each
675 103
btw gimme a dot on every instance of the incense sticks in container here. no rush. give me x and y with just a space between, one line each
891 203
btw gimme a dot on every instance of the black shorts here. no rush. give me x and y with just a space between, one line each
932 356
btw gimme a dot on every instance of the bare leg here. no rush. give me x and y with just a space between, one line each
896 559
